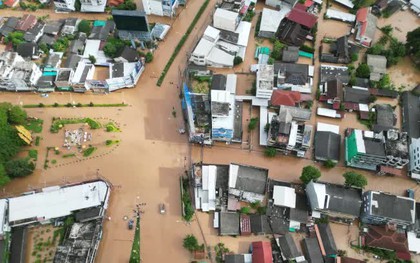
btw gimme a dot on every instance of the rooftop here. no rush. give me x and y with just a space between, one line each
381 237
248 178
327 146
392 206
229 224
312 251
328 242
288 247
302 17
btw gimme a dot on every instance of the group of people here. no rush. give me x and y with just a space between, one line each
76 137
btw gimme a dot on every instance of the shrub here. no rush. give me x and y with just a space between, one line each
89 151
363 71
270 152
329 164
149 57
252 124
308 49
245 210
33 154
355 179
190 243
354 57
84 26
37 139
237 60
55 105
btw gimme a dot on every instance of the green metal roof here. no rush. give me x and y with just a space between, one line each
351 149
306 54
99 23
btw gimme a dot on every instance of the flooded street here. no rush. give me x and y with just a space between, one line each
404 74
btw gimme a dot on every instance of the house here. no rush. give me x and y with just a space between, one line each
207 53
77 45
369 150
11 3
335 201
33 34
295 77
329 72
92 6
9 26
28 50
160 7
46 40
127 54
45 83
280 4
82 73
238 258
265 81
102 29
326 240
296 26
123 75
72 61
27 71
54 60
385 118
342 50
26 22
248 183
332 91
327 142
415 6
288 133
377 66
270 21
16 85
382 208
357 95
340 15
8 60
288 247
346 3
63 79
64 6
259 224
365 26
223 110
226 20
262 252
70 26
160 31
229 224
290 54
53 27
312 251
93 48
286 98
384 237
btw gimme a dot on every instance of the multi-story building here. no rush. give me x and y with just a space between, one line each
160 7
265 81
382 208
369 150
93 6
64 5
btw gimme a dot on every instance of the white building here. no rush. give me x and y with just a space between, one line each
415 158
415 6
27 71
270 21
93 6
222 111
207 53
92 49
82 73
284 196
124 75
160 7
205 191
226 20
265 81
64 5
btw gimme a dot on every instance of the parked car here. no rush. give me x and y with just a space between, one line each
44 95
162 208
410 193
130 224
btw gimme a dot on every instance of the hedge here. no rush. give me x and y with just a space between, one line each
56 105
182 42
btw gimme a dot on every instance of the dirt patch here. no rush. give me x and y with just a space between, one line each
41 243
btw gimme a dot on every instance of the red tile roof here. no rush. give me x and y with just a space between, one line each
9 3
381 237
300 7
302 17
361 17
285 97
115 2
261 252
309 3
245 225
26 22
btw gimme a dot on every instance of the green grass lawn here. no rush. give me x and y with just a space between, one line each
111 142
135 249
57 124
34 125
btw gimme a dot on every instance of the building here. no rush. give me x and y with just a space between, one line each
327 142
132 25
223 110
385 118
247 183
296 26
270 21
369 150
332 91
122 75
288 133
382 208
288 247
340 15
290 54
335 201
9 25
82 73
229 224
415 6
286 98
35 33
160 7
411 125
329 72
226 20
26 23
340 51
64 5
53 27
295 77
238 258
312 251
365 26
262 252
27 71
93 6
127 54
384 237
326 240
70 26
28 50
102 29
63 79
265 81
54 60
377 66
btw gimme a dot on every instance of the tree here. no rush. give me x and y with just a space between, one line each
61 44
386 29
376 49
85 27
354 179
4 179
372 98
17 115
44 48
237 60
413 43
277 50
15 38
19 167
363 71
149 57
329 164
354 57
270 152
245 210
112 46
270 61
92 59
309 173
384 82
190 243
